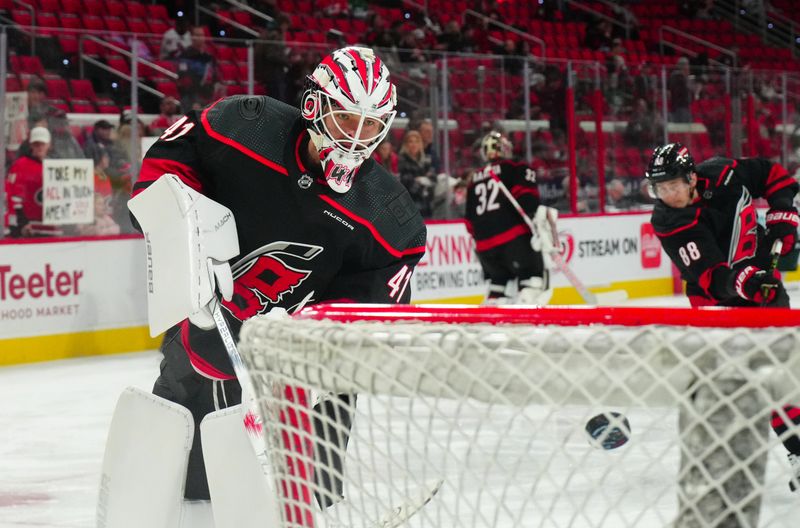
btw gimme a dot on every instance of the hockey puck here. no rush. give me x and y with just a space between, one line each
608 430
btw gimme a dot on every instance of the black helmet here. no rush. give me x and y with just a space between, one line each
669 162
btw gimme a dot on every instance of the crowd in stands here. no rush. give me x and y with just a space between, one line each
410 41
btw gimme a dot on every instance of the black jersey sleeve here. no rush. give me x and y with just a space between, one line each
694 250
389 284
763 178
520 179
175 152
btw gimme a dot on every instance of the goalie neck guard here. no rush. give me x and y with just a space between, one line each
348 105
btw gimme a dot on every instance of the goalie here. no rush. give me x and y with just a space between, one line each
269 206
513 257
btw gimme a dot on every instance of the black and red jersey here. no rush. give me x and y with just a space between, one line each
719 233
491 218
300 241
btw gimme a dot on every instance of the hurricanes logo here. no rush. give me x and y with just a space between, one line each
265 279
310 105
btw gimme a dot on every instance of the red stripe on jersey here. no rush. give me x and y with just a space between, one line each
238 146
502 238
723 173
519 190
297 155
382 241
706 278
682 228
154 168
199 364
778 179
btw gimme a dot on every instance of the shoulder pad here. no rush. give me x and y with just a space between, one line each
243 121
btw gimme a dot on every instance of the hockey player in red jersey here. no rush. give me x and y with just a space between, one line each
316 218
506 248
706 220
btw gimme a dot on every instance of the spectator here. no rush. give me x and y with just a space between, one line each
175 40
451 39
425 129
416 172
411 47
553 98
197 73
387 157
100 140
645 128
272 62
104 223
617 197
42 114
679 88
23 188
170 113
131 149
598 35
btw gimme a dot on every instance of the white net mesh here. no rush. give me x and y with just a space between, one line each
490 420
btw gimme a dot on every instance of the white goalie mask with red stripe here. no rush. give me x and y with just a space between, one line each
349 107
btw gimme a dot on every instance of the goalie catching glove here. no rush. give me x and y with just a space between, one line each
758 285
189 239
782 225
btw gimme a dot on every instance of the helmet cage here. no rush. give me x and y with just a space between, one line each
494 145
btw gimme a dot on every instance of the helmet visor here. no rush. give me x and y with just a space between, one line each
664 190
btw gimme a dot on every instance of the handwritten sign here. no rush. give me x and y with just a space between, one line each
16 119
68 191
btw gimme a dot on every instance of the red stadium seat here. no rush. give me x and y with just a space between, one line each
228 71
93 22
95 7
72 6
116 24
138 25
119 63
157 11
82 106
57 88
136 9
107 106
168 88
49 6
116 8
68 44
70 21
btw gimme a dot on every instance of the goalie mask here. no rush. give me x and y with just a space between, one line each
348 105
495 146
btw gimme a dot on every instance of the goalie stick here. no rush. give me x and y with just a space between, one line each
588 297
394 518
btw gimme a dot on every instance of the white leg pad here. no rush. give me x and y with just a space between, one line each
241 494
144 468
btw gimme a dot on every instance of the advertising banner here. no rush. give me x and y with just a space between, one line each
63 287
68 191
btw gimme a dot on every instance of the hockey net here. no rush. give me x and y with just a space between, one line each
476 416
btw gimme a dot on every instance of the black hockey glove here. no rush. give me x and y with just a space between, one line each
759 286
782 225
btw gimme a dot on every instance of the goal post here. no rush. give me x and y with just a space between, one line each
457 416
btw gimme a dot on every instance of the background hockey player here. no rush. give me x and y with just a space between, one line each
507 250
705 218
316 220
